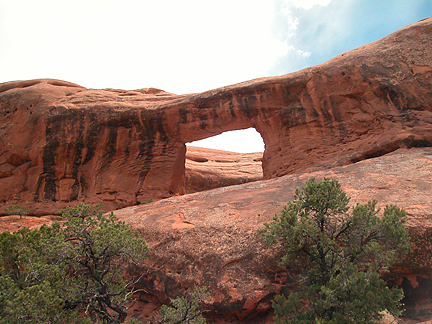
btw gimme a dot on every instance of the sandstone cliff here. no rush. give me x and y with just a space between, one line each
210 238
60 142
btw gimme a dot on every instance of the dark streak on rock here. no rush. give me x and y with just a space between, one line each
110 148
79 146
231 108
92 137
52 130
183 115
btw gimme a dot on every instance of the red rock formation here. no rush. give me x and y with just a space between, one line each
210 238
60 142
208 169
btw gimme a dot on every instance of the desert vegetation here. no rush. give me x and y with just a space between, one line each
70 272
17 210
343 251
185 309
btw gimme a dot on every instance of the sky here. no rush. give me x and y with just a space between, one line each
188 46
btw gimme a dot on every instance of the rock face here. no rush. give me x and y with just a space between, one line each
208 169
210 238
60 142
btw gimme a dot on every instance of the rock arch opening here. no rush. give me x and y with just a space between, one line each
240 141
233 157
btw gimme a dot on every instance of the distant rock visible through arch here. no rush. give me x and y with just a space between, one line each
209 169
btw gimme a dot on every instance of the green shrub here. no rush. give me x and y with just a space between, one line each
81 210
59 272
17 210
147 201
185 309
342 251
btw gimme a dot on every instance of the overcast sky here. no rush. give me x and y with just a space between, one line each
187 46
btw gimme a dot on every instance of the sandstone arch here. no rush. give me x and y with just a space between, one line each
61 142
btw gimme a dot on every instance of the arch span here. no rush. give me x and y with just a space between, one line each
63 143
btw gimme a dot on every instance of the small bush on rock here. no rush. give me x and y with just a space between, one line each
17 210
147 201
342 253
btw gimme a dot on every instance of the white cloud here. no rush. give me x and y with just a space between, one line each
308 4
301 53
289 20
310 29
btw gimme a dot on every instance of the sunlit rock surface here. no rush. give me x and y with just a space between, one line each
208 169
210 238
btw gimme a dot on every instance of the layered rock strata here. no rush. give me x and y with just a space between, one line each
60 142
210 238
